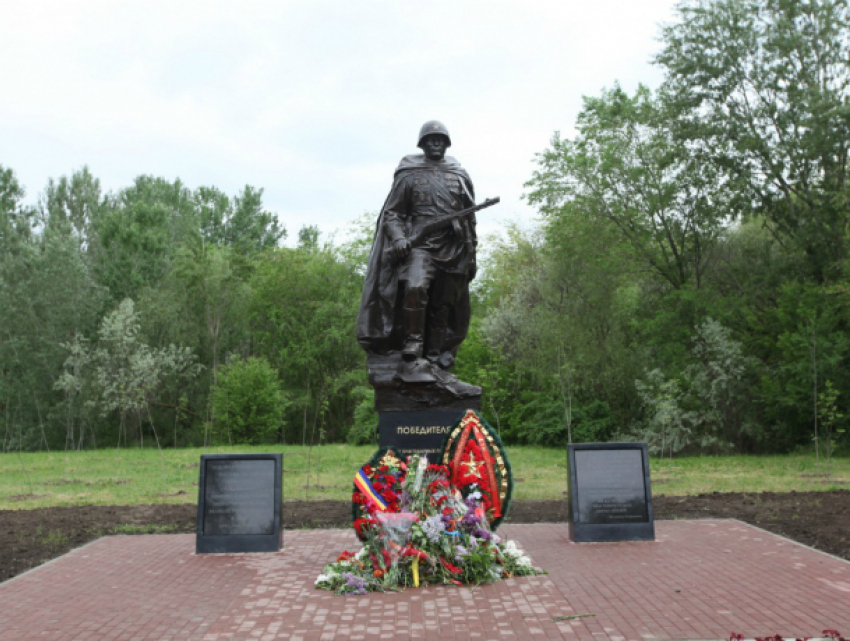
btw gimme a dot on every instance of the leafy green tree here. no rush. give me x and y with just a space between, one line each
137 233
80 398
241 222
765 86
214 282
199 302
558 319
365 425
707 406
807 343
247 403
48 295
308 238
76 201
303 309
627 169
16 220
669 425
830 421
128 373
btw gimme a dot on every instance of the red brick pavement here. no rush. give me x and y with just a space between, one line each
699 580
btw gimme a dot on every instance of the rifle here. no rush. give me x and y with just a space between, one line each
444 221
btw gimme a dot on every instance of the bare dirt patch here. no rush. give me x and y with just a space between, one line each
29 538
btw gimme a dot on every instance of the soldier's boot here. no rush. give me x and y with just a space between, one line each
436 355
414 329
435 344
412 347
414 368
436 335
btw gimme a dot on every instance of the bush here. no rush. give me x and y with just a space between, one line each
247 403
365 427
546 426
706 407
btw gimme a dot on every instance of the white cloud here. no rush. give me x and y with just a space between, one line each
314 101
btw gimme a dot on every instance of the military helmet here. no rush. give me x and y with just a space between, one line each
433 127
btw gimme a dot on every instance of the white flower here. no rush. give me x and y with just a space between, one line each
523 561
512 550
323 578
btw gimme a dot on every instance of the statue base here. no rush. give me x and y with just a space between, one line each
394 395
418 432
414 418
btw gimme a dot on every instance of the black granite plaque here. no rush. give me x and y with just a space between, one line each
610 495
419 432
239 503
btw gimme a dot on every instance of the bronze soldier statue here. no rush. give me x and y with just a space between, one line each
416 296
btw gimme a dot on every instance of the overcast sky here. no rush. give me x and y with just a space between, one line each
314 101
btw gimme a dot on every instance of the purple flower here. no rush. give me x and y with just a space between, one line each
470 521
482 534
433 526
354 581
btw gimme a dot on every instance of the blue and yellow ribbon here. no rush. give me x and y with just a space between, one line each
362 483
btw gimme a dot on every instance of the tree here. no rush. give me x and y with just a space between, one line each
16 220
213 283
76 201
77 387
764 84
48 296
303 308
247 402
241 222
558 309
128 372
137 234
626 168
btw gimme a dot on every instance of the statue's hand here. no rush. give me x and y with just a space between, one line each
472 270
401 249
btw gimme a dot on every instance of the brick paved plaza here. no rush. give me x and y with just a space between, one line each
699 580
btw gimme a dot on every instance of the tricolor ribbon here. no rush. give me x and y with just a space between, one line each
362 483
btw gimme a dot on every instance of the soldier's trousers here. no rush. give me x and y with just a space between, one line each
429 290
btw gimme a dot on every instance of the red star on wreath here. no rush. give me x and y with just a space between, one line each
472 466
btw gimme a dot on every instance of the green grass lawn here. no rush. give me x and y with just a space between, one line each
139 476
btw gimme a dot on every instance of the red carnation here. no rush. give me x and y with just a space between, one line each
362 526
451 568
409 551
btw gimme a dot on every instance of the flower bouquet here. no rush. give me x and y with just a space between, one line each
418 528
